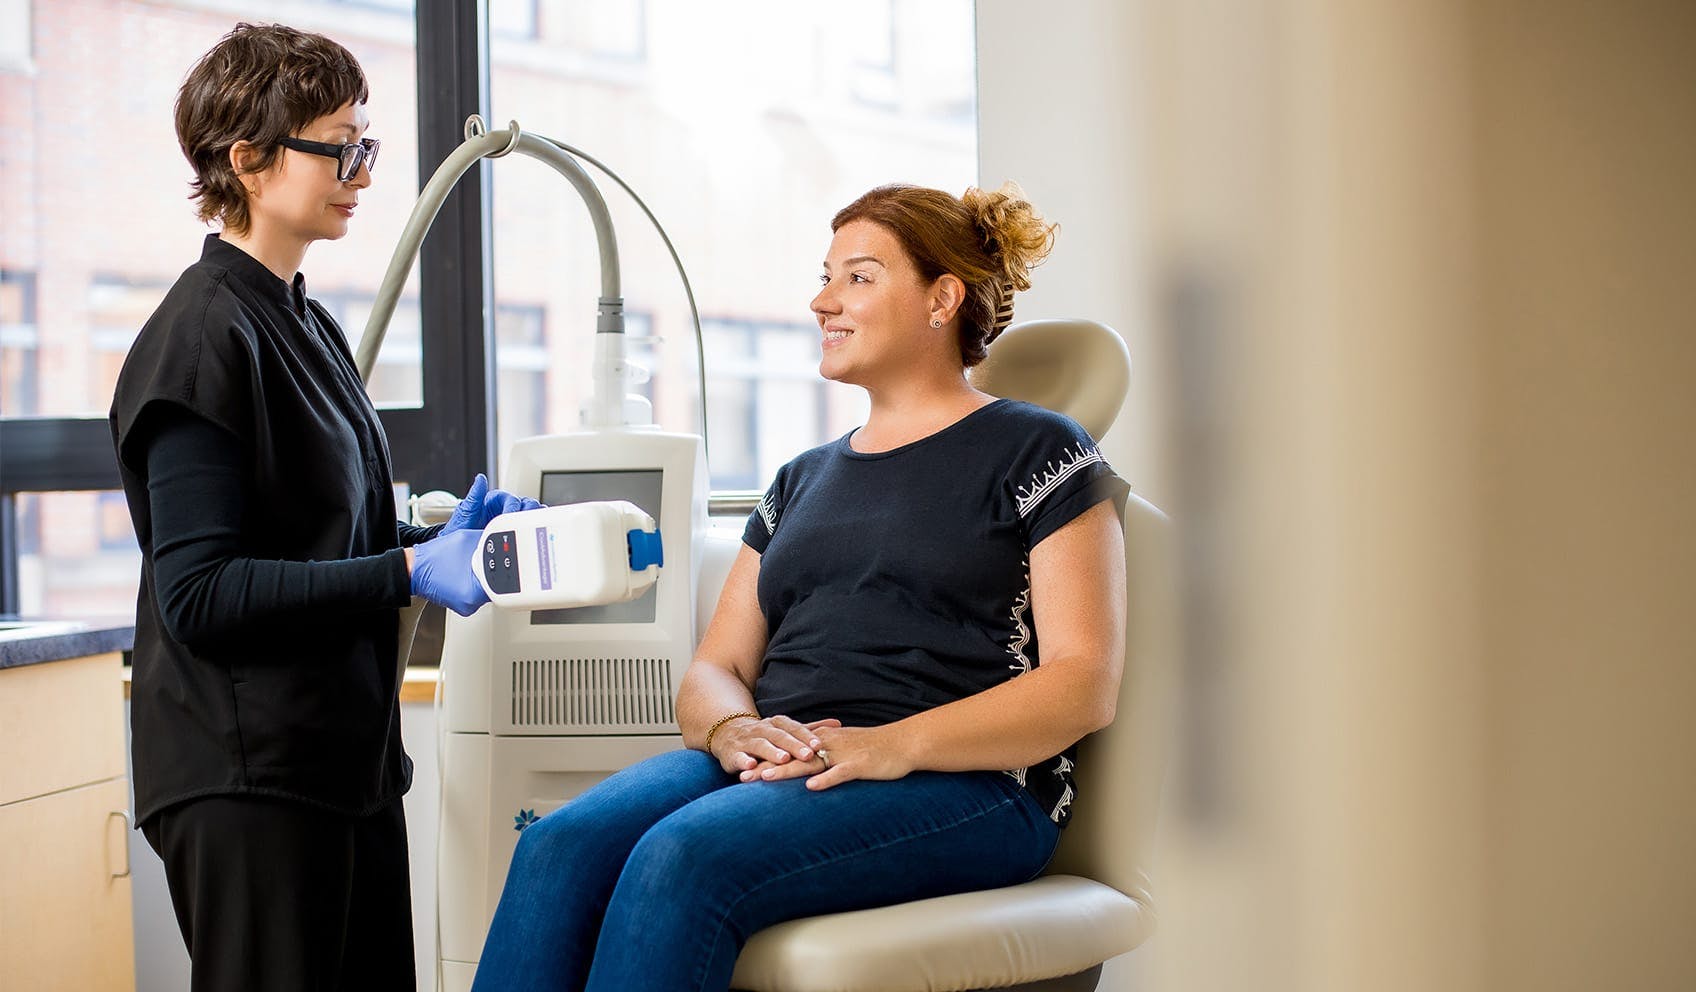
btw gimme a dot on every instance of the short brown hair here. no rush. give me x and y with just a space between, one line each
989 241
260 83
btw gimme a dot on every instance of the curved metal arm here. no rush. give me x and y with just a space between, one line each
476 146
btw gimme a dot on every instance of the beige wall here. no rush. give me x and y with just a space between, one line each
1587 145
1422 410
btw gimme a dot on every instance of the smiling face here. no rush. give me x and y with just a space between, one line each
299 199
874 310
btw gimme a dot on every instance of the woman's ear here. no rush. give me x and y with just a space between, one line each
946 296
242 156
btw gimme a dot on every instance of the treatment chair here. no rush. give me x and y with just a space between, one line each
1051 934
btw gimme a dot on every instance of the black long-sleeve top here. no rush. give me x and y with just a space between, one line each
207 589
258 479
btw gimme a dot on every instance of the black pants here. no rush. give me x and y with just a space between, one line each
276 895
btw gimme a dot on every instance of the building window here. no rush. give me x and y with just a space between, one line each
594 29
521 374
19 337
16 41
116 308
514 19
766 401
398 379
542 374
77 555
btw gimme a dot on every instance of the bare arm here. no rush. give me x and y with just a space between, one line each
1078 606
720 682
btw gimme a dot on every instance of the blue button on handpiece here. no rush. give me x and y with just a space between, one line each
645 549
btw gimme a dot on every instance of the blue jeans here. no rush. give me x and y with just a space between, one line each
656 877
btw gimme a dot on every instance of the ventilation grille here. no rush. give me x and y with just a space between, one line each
593 692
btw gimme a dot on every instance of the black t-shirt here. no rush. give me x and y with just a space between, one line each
897 581
258 480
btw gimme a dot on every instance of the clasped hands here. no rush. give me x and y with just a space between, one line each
825 752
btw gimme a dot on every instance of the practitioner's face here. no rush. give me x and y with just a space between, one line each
299 197
873 309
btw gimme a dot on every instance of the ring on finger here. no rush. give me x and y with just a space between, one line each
824 756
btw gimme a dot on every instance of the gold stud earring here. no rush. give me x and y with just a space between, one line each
935 323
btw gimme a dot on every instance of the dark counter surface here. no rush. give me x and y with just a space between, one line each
32 641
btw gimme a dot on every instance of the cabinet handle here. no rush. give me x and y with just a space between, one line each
122 814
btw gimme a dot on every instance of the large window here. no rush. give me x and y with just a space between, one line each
95 225
95 195
745 128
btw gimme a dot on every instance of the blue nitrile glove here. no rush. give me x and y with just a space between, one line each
469 512
441 571
482 504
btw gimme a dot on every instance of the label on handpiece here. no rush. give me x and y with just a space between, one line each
544 558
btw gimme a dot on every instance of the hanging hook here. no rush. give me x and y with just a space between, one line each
475 128
512 142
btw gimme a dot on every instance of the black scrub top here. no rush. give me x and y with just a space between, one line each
294 696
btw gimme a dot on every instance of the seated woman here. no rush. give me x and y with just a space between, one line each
868 718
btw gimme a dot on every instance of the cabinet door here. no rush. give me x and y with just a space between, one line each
64 917
61 724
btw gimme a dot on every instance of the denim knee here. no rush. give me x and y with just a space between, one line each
546 838
668 862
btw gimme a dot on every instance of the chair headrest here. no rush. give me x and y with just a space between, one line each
1080 368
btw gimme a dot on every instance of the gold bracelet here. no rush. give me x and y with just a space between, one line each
708 746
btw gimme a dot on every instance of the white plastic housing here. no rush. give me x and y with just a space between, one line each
536 710
558 557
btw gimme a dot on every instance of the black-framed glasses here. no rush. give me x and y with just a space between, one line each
348 157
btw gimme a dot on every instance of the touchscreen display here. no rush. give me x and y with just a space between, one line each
639 486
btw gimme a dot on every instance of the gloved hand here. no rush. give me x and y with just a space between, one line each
482 504
441 571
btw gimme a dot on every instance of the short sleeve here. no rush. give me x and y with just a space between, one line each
190 355
1057 474
762 523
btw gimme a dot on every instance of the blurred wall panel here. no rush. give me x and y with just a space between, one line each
1587 151
1411 285
1274 203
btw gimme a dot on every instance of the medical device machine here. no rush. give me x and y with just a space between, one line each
541 704
541 700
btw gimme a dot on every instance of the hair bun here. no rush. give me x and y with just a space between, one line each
1015 237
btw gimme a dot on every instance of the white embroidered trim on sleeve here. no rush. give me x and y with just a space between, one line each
768 513
1045 482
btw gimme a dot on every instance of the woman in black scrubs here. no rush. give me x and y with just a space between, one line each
266 723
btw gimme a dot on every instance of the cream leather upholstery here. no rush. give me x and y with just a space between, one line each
1078 367
1095 901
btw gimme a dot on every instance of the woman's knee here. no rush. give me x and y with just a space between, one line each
612 816
664 861
689 855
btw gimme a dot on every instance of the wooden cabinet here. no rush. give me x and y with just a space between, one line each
64 864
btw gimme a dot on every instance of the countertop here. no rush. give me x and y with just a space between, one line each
31 641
